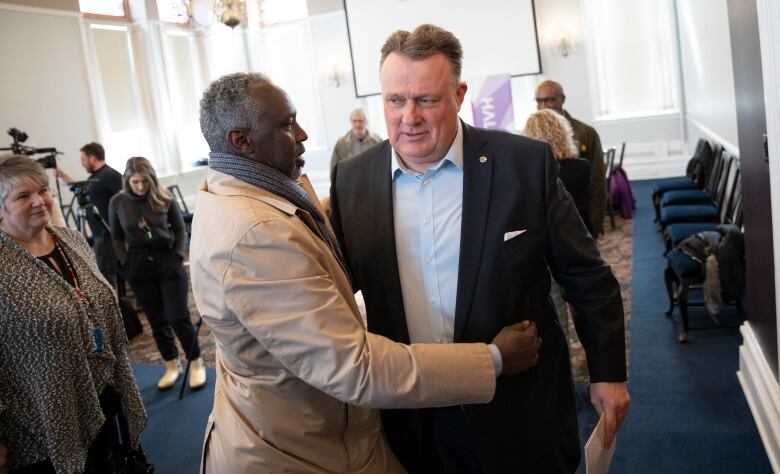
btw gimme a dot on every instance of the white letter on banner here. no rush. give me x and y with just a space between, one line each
488 115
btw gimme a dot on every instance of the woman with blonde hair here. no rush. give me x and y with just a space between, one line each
148 234
549 126
553 128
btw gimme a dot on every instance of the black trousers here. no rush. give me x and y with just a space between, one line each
449 447
106 258
163 297
450 444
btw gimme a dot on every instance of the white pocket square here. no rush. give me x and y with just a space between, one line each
513 234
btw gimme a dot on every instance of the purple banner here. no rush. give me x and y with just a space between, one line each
492 102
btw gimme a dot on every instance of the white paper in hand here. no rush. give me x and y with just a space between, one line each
598 459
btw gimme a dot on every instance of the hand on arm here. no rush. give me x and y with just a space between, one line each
519 347
610 399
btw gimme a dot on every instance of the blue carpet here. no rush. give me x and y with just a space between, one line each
174 436
688 413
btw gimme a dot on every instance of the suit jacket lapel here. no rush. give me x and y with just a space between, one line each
384 241
477 180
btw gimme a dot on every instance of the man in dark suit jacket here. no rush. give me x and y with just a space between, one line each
448 231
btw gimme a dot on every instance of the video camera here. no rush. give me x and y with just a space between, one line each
17 147
80 189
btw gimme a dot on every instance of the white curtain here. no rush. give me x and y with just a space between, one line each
633 50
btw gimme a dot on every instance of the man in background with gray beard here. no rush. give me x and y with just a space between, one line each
356 141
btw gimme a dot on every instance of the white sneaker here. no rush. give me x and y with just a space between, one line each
171 375
197 374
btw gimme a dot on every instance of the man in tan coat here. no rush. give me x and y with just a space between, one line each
549 95
298 376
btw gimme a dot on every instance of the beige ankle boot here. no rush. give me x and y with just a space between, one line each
172 372
197 374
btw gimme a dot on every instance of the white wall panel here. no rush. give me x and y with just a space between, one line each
45 87
706 63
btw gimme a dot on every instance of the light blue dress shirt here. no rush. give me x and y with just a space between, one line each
427 211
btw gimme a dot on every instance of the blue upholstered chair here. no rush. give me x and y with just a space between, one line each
682 275
705 212
731 213
682 182
710 158
696 196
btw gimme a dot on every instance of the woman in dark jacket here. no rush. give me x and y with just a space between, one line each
148 234
549 126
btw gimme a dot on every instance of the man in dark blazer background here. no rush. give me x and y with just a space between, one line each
449 231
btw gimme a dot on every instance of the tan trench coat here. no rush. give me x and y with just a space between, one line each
298 377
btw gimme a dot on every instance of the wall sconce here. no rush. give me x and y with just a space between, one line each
562 42
334 75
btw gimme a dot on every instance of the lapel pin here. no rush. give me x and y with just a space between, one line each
483 159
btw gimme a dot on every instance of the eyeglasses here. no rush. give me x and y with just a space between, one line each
546 100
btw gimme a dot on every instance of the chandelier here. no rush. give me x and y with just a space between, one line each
231 13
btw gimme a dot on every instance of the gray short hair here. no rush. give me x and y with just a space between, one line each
226 105
17 168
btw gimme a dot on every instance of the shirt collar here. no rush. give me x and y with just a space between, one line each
454 155
355 137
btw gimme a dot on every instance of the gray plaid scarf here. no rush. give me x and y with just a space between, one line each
273 181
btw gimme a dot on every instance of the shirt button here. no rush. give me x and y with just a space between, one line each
428 259
426 221
426 182
433 299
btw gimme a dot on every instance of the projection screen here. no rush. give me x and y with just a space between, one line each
498 36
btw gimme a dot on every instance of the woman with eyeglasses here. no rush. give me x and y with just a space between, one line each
149 237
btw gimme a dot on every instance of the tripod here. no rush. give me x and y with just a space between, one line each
83 212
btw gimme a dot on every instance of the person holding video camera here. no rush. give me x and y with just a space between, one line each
148 235
105 183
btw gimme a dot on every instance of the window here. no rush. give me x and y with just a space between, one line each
633 56
280 11
103 7
184 80
173 11
225 51
120 116
298 77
